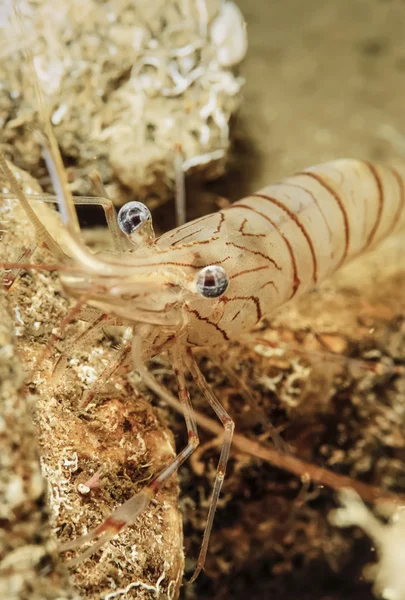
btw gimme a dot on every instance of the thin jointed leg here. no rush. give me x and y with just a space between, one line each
250 401
42 233
13 274
87 335
72 314
127 513
106 375
223 459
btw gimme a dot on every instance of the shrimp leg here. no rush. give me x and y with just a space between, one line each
72 314
128 512
91 331
13 275
229 426
42 234
105 375
278 442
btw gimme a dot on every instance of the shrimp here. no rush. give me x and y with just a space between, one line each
212 280
207 282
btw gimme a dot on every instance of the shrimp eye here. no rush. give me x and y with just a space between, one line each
212 281
132 215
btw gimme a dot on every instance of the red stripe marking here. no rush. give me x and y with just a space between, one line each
265 256
379 185
221 220
111 524
254 299
296 280
269 283
200 318
186 226
242 227
186 236
189 245
178 264
341 205
294 218
401 204
248 271
300 187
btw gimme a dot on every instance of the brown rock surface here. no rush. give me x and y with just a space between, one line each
125 84
94 455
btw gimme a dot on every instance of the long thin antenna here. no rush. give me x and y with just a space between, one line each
53 159
41 231
180 186
49 144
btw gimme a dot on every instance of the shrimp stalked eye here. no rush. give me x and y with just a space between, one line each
134 219
212 281
132 216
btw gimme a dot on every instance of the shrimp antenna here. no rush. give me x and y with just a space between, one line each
43 235
54 163
180 187
57 171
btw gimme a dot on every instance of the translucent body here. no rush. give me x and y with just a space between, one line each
272 245
281 241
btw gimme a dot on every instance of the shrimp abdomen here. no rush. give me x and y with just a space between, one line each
331 213
284 239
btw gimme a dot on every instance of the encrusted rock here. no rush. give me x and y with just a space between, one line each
131 87
94 454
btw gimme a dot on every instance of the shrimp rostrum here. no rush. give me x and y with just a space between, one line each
212 280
